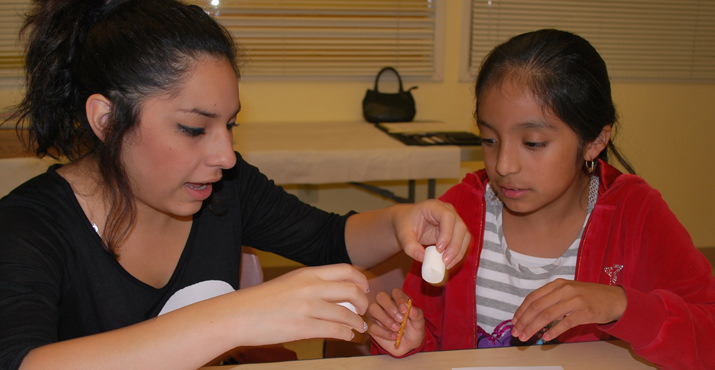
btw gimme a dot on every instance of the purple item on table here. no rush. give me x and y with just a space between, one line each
501 337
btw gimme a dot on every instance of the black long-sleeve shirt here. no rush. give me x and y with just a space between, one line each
57 281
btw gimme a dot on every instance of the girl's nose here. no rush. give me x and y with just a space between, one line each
507 161
220 151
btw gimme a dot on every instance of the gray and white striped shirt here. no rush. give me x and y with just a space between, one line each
506 277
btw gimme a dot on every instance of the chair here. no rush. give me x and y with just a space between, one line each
15 171
251 270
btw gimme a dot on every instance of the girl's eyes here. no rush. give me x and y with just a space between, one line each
191 131
534 145
528 144
198 131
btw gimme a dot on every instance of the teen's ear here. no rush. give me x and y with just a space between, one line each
99 110
595 147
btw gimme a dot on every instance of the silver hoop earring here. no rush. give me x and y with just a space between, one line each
590 166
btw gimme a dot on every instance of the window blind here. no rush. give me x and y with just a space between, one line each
646 40
332 38
301 38
11 48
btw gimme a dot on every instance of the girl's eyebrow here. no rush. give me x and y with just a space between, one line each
523 125
200 112
537 124
205 113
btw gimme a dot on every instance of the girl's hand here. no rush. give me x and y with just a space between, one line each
432 222
387 314
302 304
566 304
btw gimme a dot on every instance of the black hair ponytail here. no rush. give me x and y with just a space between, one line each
51 105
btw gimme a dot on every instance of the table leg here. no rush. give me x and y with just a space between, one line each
386 193
431 184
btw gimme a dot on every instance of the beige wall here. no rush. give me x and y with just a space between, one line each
667 132
667 129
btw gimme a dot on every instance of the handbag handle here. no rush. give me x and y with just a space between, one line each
399 79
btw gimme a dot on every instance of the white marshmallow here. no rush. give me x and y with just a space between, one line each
349 306
433 267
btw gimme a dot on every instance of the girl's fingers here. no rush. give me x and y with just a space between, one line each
527 310
344 315
453 238
400 299
311 295
445 217
333 283
539 309
416 315
457 247
377 330
342 272
327 329
564 304
386 312
432 222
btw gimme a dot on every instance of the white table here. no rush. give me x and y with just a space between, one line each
580 356
341 152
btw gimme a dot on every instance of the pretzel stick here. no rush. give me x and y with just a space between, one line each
404 323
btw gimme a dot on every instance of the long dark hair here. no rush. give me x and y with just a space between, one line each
566 73
126 50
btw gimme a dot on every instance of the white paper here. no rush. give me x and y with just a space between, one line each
510 368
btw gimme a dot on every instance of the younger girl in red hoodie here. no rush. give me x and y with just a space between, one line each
565 248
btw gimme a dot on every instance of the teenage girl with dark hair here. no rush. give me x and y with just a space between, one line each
128 256
566 248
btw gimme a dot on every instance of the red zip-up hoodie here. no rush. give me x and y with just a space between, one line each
670 316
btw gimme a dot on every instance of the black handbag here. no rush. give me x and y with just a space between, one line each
388 107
